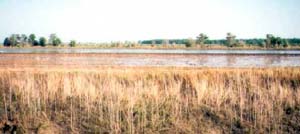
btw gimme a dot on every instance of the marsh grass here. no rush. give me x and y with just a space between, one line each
151 100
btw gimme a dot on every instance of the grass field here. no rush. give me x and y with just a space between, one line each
150 100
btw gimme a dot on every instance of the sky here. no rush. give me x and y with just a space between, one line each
133 20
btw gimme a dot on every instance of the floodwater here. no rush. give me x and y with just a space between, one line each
42 57
143 51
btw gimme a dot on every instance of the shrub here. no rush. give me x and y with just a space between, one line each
42 41
189 43
72 43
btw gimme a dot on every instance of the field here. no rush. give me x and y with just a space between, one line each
149 67
119 99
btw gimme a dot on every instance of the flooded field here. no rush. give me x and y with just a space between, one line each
145 51
177 60
131 91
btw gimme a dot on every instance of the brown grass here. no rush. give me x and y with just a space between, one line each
151 100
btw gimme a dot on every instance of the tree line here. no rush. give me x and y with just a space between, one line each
16 40
230 40
271 41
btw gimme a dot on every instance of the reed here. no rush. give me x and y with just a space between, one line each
151 100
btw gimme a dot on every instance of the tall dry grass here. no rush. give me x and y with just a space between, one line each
151 100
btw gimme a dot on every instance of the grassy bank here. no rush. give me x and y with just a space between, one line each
151 100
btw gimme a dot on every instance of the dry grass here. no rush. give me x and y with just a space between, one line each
151 100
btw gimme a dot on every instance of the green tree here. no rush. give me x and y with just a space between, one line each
278 41
72 43
6 42
230 40
273 41
31 39
13 40
269 40
190 42
201 39
54 40
42 41
18 37
24 38
285 43
35 43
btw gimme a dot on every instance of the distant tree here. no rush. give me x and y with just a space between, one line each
201 39
31 39
190 42
278 41
273 41
72 43
255 41
240 43
285 43
24 38
261 43
54 40
269 40
294 41
153 43
13 39
51 38
230 40
6 42
36 43
165 42
42 41
18 37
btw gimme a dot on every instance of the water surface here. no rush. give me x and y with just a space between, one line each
177 60
143 51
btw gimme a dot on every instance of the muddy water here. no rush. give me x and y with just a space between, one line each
18 60
143 51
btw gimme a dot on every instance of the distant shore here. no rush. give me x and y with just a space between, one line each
210 47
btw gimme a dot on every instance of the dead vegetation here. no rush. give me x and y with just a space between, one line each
150 100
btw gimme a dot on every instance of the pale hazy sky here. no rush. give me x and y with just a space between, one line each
119 20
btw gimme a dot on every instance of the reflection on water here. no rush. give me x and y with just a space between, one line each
231 60
272 60
140 51
187 60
